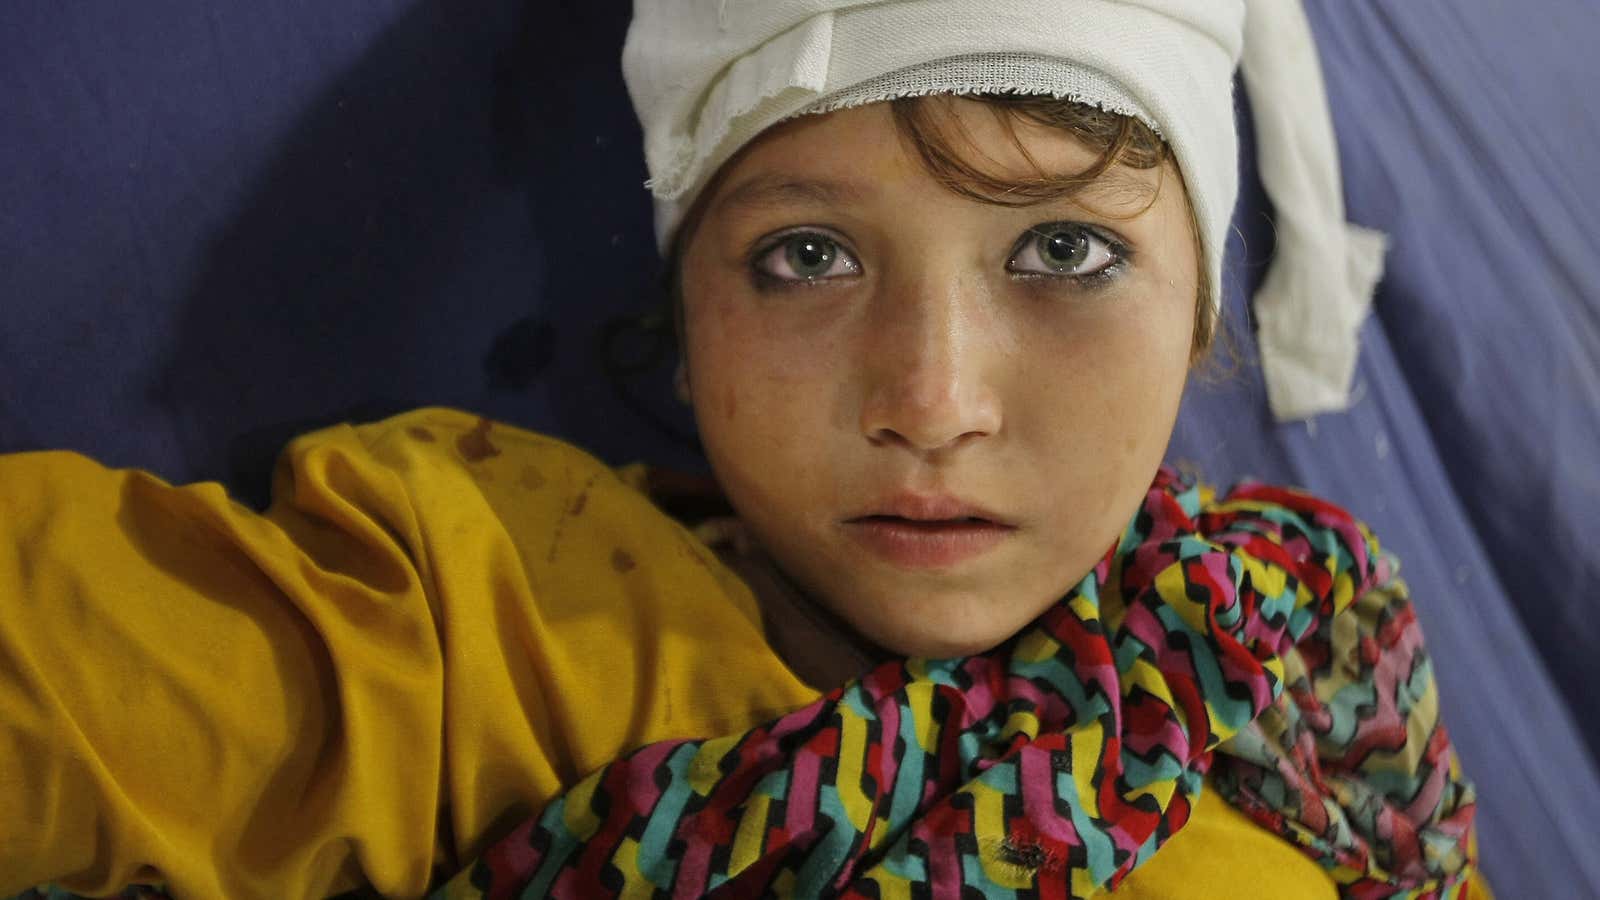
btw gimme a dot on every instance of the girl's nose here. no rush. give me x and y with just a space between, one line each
927 372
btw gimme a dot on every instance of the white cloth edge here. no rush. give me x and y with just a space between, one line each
1319 287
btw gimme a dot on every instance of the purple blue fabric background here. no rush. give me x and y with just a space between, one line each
223 224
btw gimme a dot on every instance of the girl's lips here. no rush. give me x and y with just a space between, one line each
924 543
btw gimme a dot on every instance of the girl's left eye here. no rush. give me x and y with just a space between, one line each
1065 249
805 257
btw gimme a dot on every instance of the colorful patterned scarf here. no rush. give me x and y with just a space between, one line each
1055 764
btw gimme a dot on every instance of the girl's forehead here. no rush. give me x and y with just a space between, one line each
852 156
986 133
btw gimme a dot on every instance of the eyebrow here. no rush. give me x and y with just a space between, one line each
786 190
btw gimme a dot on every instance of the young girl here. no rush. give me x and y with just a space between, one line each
941 271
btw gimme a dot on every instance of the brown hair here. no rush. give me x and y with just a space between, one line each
1116 139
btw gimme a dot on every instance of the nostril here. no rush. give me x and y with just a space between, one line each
924 424
924 442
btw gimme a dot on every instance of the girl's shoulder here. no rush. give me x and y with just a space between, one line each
454 485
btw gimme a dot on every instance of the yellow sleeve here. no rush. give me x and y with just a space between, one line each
1221 853
437 624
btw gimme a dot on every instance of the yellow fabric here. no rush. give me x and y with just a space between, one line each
1222 854
436 626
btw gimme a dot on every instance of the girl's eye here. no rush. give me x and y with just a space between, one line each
806 257
1065 249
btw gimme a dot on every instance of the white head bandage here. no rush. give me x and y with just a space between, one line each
708 76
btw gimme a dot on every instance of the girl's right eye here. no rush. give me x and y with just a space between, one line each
805 257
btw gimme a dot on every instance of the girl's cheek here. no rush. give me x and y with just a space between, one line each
738 384
770 355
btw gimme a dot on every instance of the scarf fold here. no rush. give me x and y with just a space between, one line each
1055 764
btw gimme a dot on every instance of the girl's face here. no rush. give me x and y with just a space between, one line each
935 414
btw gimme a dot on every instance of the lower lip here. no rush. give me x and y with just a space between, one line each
927 545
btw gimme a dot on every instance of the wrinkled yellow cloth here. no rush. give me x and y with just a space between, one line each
439 624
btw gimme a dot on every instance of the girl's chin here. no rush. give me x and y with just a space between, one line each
931 616
931 636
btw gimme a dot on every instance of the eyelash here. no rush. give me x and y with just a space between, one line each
767 281
1120 252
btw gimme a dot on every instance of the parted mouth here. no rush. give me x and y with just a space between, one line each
934 535
931 511
929 524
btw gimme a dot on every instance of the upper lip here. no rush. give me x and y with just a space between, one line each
928 508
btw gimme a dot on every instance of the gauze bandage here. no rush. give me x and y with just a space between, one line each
708 76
